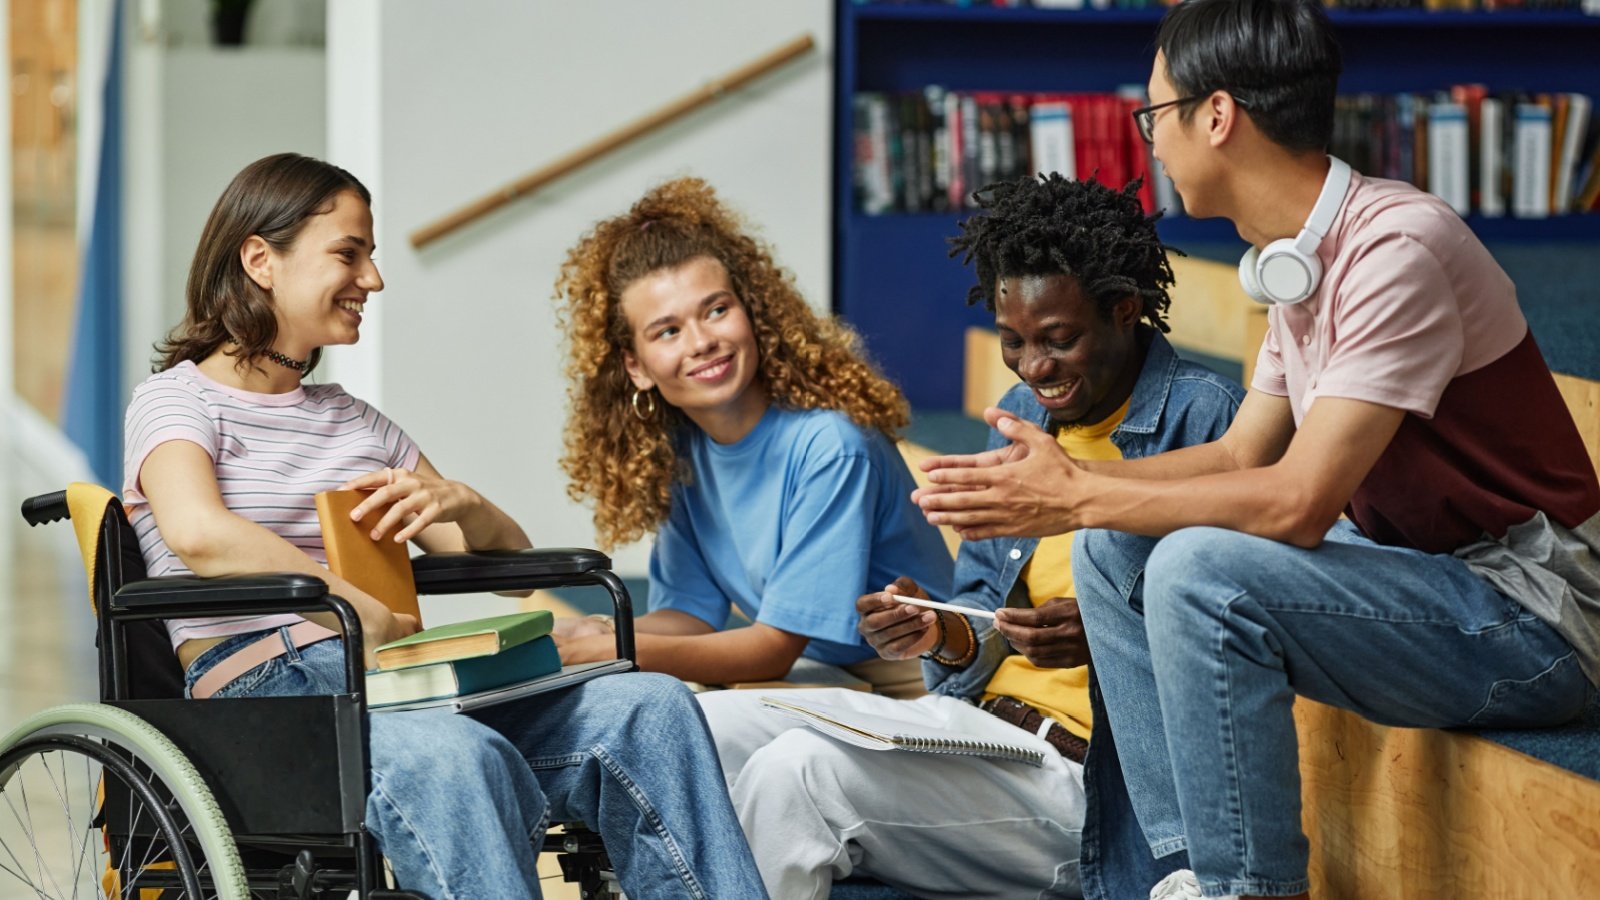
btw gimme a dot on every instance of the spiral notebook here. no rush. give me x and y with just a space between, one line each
880 733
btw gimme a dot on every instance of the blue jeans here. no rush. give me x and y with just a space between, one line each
1202 639
460 804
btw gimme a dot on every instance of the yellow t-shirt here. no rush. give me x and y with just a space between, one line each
1062 694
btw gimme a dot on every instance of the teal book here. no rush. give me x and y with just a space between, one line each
462 640
524 662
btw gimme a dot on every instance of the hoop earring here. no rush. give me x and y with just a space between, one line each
642 415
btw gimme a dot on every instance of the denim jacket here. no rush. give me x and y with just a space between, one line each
1175 404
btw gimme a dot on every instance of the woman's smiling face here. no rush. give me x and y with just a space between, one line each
320 285
693 341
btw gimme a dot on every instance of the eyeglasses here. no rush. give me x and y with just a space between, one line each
1145 116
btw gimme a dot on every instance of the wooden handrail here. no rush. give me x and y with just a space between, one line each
592 151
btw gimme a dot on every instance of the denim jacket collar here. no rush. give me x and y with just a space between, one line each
1154 384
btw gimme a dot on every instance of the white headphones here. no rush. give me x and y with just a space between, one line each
1288 271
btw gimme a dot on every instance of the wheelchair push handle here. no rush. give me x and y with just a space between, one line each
46 508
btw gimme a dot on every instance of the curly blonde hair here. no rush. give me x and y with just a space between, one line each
627 464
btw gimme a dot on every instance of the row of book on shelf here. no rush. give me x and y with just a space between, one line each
1528 155
1592 7
928 151
1494 154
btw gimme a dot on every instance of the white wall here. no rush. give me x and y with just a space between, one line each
465 353
196 115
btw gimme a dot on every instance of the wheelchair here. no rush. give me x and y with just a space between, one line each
152 796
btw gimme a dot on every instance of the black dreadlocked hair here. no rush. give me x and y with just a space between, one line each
1051 225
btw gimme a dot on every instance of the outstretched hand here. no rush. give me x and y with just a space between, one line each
1028 488
420 499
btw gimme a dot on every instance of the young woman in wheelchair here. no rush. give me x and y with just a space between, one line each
226 445
711 406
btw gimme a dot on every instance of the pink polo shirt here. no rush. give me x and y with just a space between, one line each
1409 300
1413 313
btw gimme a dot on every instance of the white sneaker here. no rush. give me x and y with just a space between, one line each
1180 885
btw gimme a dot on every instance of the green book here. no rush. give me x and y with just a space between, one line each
463 640
434 681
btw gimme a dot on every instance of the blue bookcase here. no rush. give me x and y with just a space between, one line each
892 278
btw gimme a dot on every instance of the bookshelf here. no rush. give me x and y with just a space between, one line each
892 279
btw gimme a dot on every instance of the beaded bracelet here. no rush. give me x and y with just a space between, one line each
965 658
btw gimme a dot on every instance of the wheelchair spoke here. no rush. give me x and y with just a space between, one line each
64 795
27 829
135 813
89 830
63 789
200 870
151 847
17 873
72 824
20 823
151 854
33 830
21 877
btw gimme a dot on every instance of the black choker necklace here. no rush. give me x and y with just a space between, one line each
288 363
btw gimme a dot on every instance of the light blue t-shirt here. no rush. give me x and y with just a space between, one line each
791 524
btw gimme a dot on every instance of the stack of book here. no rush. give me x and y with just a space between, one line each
464 665
450 662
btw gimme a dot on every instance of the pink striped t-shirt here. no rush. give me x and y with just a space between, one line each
272 452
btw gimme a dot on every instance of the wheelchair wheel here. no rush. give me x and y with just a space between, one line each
98 803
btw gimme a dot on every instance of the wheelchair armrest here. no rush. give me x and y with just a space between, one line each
515 570
190 596
505 570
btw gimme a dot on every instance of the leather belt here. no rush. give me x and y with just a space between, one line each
1015 712
269 647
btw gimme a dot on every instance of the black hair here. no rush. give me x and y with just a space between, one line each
1279 57
1051 225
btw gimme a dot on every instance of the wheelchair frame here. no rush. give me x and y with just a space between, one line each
242 747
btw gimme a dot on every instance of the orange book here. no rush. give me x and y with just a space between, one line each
382 568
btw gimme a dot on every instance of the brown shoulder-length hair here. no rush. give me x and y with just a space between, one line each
272 198
627 464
